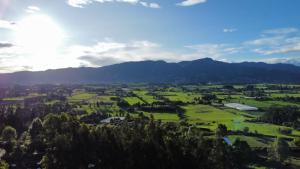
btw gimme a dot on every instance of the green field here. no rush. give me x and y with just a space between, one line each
81 97
209 117
262 104
133 100
179 96
170 117
252 141
145 96
285 94
21 98
165 103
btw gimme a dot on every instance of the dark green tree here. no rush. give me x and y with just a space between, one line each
280 150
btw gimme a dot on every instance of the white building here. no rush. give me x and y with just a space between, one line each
241 107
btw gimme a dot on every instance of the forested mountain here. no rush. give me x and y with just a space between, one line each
197 71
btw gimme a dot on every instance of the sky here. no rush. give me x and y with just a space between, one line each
49 34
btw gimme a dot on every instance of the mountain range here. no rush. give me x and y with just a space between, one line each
198 71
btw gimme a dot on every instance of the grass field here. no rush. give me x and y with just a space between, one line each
179 96
145 96
21 98
133 100
262 104
81 96
170 117
260 135
285 94
209 117
252 141
205 116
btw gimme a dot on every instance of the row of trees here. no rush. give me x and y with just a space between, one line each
287 115
62 141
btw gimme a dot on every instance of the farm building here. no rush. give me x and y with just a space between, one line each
113 119
241 107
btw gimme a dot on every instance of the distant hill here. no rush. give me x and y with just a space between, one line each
197 71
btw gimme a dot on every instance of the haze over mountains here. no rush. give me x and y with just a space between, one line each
198 71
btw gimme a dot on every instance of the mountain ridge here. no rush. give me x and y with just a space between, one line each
197 71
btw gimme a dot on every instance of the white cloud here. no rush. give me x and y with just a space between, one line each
270 41
285 48
229 30
107 52
215 51
281 31
79 3
276 41
288 60
190 2
4 24
110 52
150 5
32 9
82 3
126 1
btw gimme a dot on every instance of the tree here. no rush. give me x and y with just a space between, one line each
220 153
250 87
9 134
228 87
207 98
246 130
297 141
241 153
280 115
3 165
280 150
221 130
35 130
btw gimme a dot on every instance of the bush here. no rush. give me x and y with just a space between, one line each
246 130
9 133
285 131
297 141
3 165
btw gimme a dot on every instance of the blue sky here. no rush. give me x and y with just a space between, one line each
43 34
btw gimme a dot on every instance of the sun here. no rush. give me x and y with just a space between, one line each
39 34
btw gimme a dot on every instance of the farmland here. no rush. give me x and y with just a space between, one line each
199 106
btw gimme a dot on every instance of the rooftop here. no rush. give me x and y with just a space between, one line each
241 107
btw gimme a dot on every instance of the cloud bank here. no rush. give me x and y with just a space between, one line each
190 2
82 3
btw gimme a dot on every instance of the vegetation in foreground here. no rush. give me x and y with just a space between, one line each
159 126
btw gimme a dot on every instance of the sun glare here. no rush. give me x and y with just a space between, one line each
39 34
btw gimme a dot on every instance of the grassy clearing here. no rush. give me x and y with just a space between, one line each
21 98
102 99
224 96
179 96
52 102
81 97
262 104
285 95
133 100
252 141
209 117
145 96
167 117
